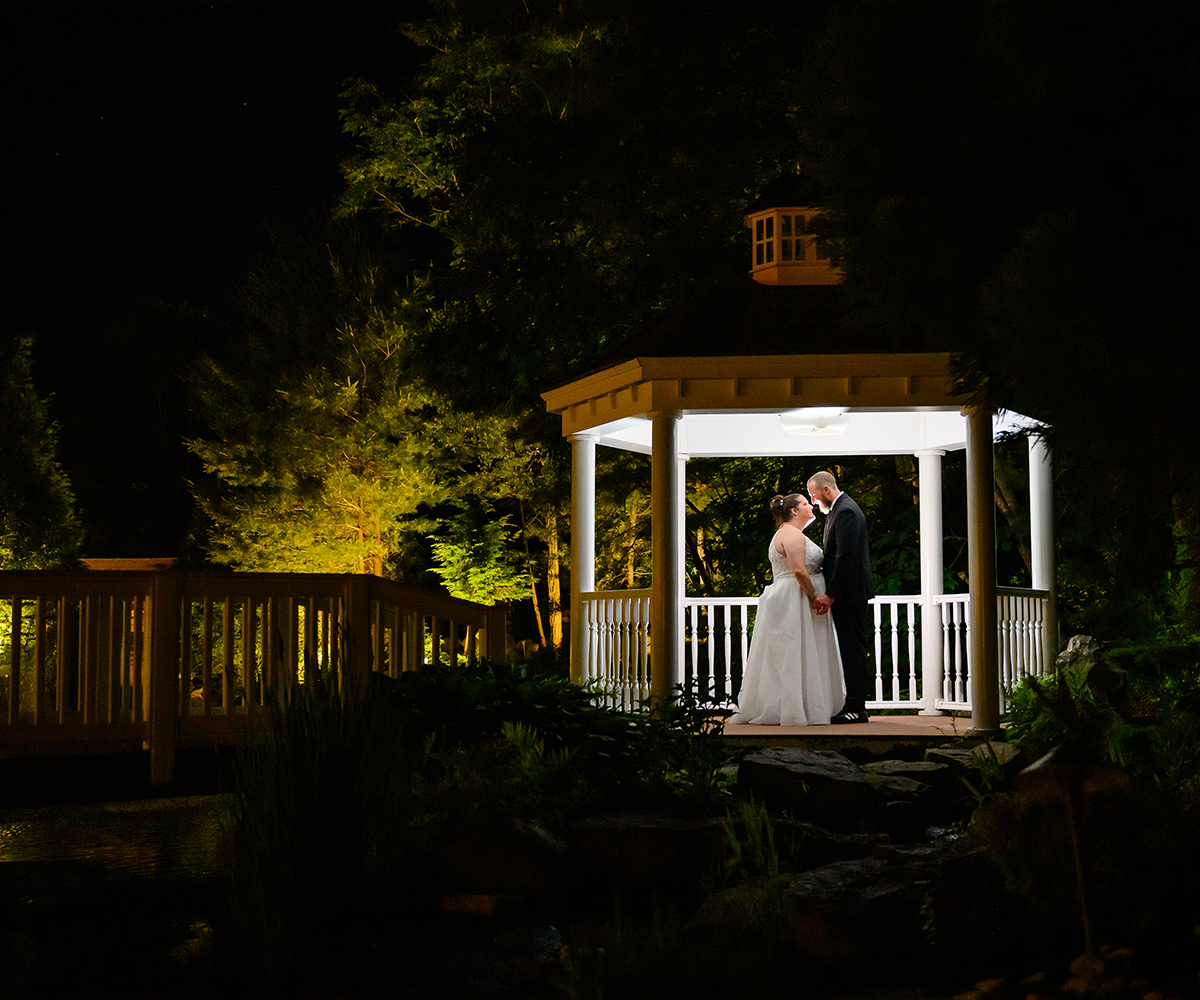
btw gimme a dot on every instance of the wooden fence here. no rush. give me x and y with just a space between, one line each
110 660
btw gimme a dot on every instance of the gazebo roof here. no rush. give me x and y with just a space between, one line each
747 318
731 363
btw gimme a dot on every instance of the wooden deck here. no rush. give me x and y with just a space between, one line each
883 734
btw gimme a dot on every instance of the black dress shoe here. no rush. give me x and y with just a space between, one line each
846 717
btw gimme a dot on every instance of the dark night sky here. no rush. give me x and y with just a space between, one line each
146 146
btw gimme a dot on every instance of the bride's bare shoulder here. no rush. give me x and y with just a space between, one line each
788 535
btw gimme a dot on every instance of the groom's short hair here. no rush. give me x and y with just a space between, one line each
822 479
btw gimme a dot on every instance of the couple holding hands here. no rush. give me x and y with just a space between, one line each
808 654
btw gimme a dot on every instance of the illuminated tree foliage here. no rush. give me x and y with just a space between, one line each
312 453
325 450
39 525
475 563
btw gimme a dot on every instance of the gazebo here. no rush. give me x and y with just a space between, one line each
766 367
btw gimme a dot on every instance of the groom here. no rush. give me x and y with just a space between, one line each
847 571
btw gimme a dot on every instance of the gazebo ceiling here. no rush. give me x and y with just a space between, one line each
876 432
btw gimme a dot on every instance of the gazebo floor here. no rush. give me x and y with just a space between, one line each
882 735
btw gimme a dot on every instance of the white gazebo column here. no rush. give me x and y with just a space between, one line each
666 517
981 562
583 546
929 485
1041 538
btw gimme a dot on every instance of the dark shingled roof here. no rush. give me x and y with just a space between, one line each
746 318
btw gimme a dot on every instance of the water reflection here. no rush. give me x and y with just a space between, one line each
159 838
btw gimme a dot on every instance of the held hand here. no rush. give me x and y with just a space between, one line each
821 604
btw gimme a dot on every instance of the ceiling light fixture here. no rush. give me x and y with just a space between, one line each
816 420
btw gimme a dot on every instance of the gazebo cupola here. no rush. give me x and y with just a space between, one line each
783 249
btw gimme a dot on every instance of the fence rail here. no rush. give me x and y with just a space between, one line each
111 659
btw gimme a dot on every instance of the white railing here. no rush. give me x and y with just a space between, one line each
955 612
1022 639
616 659
717 633
716 641
1021 642
897 671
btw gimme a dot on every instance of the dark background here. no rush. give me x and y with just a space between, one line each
147 148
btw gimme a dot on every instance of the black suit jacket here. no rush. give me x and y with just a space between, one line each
847 561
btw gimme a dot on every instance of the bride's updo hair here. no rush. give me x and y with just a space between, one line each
783 508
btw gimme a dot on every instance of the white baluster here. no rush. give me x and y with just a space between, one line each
644 629
745 648
877 615
895 652
964 678
913 695
945 612
691 658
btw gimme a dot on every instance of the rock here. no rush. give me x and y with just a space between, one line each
858 913
1080 648
826 788
945 783
927 771
1002 753
810 846
501 858
903 821
646 849
973 763
755 907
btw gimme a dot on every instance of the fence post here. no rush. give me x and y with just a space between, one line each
166 591
356 633
497 633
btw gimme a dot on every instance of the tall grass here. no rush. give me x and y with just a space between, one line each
324 845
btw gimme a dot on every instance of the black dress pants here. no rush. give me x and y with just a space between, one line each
850 624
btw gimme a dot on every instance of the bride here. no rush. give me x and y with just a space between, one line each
793 673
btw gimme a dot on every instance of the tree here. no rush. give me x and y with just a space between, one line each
622 521
39 525
475 563
970 173
325 449
583 164
568 204
320 448
995 188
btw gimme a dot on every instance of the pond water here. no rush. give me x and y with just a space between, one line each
157 838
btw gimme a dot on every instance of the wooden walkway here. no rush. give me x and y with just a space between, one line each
882 734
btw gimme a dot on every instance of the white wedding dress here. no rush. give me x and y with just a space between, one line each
793 673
